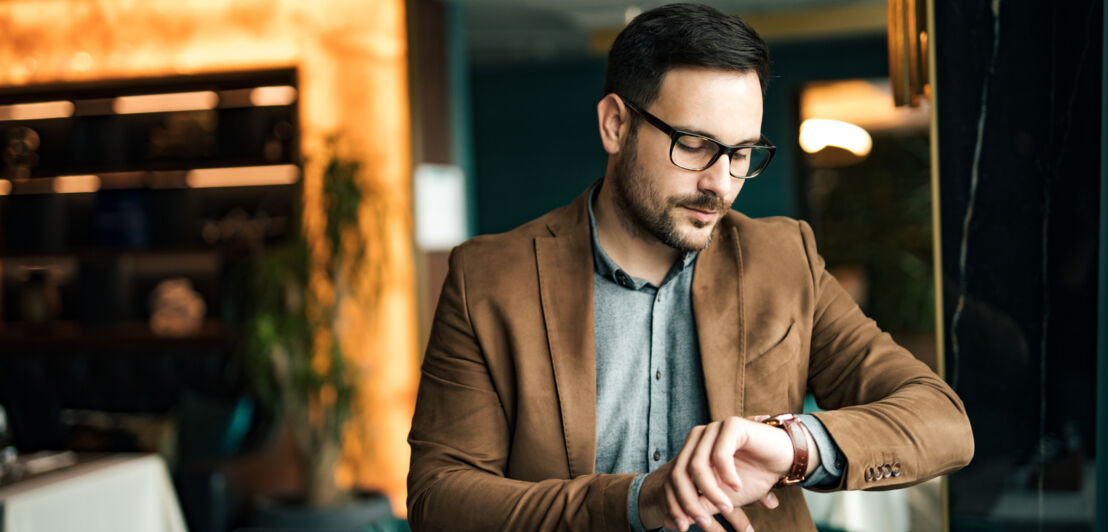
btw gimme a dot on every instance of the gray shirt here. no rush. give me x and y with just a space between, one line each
649 382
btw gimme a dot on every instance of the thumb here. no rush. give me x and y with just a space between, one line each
769 501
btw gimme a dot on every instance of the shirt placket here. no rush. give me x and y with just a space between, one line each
658 431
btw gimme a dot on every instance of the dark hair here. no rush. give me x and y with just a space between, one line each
677 35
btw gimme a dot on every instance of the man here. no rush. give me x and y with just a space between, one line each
614 364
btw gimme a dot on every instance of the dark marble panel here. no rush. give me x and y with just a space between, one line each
1018 90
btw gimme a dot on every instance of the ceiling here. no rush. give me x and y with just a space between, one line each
499 31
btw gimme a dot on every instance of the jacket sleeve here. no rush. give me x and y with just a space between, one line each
896 422
461 437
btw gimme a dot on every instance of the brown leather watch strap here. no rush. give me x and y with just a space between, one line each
791 425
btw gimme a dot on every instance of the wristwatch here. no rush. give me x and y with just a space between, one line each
791 425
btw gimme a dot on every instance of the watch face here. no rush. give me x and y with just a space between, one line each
779 420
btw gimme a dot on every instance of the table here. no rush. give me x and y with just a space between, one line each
917 507
116 493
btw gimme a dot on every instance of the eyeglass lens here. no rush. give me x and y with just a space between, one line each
697 153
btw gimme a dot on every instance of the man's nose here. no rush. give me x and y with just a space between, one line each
717 177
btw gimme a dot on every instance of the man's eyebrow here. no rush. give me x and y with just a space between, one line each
694 131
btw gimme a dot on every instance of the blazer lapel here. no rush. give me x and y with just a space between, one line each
717 301
565 267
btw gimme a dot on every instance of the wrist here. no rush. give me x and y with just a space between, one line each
799 442
652 500
784 462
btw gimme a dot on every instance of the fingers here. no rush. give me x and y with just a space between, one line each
684 489
739 520
703 467
719 467
713 526
676 515
723 453
701 514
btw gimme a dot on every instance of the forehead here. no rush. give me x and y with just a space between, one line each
723 104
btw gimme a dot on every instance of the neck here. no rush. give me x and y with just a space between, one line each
635 250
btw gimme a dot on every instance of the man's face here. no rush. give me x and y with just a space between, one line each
679 207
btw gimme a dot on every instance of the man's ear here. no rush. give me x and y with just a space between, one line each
615 120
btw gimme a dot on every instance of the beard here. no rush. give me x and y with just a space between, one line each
646 214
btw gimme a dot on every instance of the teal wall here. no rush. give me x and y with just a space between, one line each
461 109
536 145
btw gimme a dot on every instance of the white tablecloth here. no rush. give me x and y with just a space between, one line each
121 493
860 511
917 508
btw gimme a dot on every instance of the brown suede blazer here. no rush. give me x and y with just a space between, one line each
504 434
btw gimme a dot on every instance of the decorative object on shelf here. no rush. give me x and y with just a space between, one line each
20 152
184 136
294 354
176 309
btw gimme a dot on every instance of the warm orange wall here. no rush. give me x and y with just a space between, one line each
352 60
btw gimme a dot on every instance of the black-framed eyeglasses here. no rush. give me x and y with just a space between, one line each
695 152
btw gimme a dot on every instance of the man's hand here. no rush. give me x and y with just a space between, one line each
722 466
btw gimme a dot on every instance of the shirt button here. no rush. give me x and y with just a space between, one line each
658 375
657 455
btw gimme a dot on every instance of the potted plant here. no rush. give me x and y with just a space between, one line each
294 350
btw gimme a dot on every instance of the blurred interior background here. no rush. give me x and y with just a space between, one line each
224 225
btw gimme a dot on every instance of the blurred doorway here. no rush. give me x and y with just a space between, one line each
865 187
866 182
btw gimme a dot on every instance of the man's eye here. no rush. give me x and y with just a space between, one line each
692 144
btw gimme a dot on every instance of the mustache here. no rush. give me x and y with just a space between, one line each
705 201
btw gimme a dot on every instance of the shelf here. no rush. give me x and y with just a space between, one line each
92 253
131 335
271 175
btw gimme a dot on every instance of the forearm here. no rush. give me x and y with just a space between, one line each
466 499
903 418
462 446
883 406
460 464
887 410
918 432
